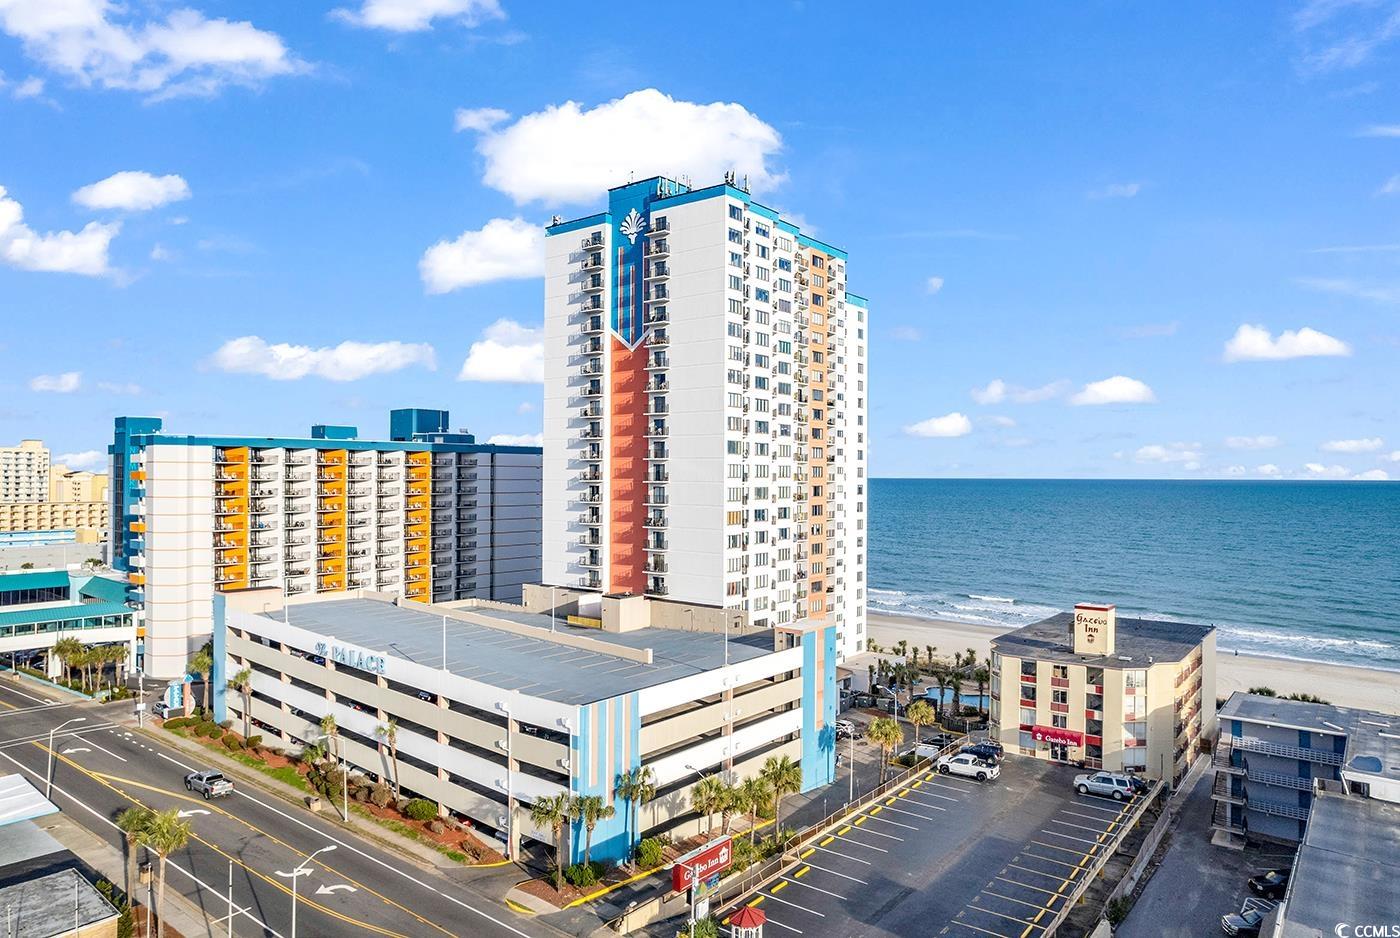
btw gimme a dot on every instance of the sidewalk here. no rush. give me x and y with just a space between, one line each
180 913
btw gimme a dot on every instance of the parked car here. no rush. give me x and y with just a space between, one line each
1244 923
1270 885
987 752
845 729
209 783
938 739
968 766
1109 784
922 751
162 710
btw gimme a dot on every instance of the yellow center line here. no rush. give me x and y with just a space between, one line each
102 779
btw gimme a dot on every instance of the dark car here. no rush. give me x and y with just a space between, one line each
938 739
1270 885
987 752
1244 923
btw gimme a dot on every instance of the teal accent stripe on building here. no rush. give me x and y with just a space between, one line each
564 227
60 614
857 300
33 580
810 242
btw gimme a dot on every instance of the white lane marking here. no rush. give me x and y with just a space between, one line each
71 750
373 859
866 830
1033 905
38 737
834 873
885 820
793 904
798 882
846 856
100 749
39 700
327 890
1092 830
1068 837
865 845
1094 807
922 817
169 863
48 705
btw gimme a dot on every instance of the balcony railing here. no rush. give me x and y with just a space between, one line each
1252 744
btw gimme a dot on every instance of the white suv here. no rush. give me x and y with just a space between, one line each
969 766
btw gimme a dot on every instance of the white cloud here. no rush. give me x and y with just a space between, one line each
1393 457
1255 343
478 119
119 387
1187 454
998 391
1380 130
998 420
408 16
1252 442
516 439
526 407
506 352
1117 190
161 253
567 153
934 285
1366 445
1235 470
1390 187
1116 390
70 252
31 87
98 42
1268 469
949 425
65 383
504 249
1317 470
1372 475
907 333
90 460
1352 288
348 361
133 191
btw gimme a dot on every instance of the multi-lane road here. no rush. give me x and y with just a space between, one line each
102 766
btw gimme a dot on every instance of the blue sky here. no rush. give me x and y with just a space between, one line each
1104 240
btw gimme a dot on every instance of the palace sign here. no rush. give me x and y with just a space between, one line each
351 657
711 859
1053 734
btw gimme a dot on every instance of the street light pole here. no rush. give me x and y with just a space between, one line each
302 867
852 796
48 773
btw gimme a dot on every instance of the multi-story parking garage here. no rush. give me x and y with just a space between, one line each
496 706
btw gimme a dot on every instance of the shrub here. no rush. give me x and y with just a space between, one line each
420 809
745 854
1117 910
706 928
437 827
582 876
649 853
232 742
207 730
254 741
227 724
380 795
174 723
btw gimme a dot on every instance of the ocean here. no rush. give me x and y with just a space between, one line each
1304 570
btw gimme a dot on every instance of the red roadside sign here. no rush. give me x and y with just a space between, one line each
714 857
1053 734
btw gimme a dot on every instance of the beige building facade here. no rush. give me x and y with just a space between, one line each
88 518
76 485
1135 695
24 472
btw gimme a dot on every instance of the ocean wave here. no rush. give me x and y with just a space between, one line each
1269 637
991 599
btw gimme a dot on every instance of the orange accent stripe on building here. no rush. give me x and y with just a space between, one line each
627 477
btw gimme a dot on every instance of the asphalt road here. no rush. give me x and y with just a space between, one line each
948 856
102 767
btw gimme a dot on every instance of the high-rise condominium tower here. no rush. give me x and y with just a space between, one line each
705 409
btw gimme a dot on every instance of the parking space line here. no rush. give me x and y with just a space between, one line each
816 888
842 875
1093 830
795 905
867 846
930 794
1078 853
1032 856
941 784
1094 807
848 857
908 827
1069 837
1087 817
1034 905
1048 892
975 928
922 817
773 921
1012 918
866 830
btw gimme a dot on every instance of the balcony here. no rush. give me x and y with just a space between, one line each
660 270
658 338
656 430
594 389
655 521
657 361
593 325
594 284
594 261
658 543
591 561
657 316
593 241
591 411
591 539
659 248
1251 744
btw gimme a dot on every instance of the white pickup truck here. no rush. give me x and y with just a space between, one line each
969 766
208 783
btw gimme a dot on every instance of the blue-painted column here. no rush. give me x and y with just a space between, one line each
218 675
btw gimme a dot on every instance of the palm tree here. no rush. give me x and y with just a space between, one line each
67 650
928 652
784 776
729 804
591 809
165 834
941 675
919 715
330 735
886 734
389 732
901 648
242 682
754 792
202 663
133 822
552 812
636 787
963 666
983 676
914 658
706 797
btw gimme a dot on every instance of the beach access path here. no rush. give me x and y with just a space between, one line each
1345 686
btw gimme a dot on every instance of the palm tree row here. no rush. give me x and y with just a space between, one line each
553 812
714 794
91 662
162 833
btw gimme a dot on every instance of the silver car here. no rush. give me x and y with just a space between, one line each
1108 784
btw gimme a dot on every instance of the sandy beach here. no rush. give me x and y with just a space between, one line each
1345 686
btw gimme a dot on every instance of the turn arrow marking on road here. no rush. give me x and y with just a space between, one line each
69 752
192 812
326 890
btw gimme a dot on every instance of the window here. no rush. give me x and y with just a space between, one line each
1028 716
736 236
736 282
736 259
761 230
1134 678
760 294
736 212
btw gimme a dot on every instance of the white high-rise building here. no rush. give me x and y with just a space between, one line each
428 515
705 409
24 472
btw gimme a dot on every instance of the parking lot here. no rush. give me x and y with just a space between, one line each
949 856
